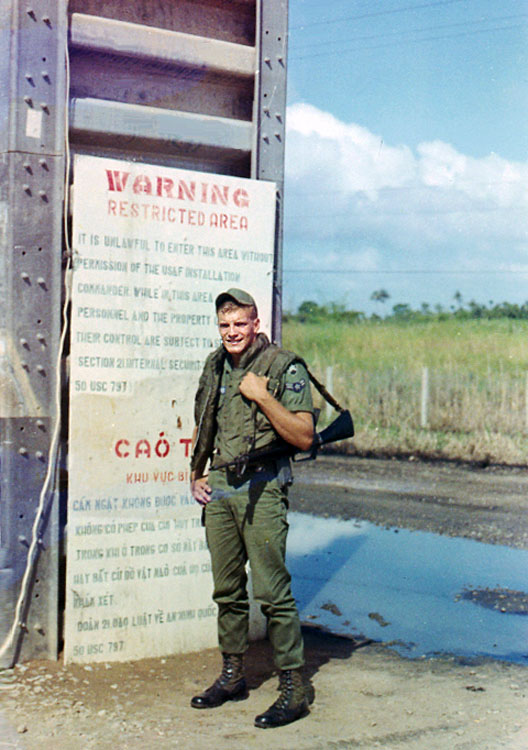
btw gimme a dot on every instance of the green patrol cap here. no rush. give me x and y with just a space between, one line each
237 295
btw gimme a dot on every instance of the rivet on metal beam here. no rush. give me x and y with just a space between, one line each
265 138
278 115
266 111
22 539
28 100
267 60
26 188
41 425
38 628
28 167
41 370
25 277
24 366
41 282
280 60
40 336
22 626
29 79
44 164
39 455
47 20
31 13
43 195
44 107
22 451
278 136
46 76
24 343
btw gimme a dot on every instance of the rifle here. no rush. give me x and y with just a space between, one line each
341 428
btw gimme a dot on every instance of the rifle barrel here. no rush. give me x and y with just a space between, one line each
340 429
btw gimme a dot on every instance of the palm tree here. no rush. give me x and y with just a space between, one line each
381 295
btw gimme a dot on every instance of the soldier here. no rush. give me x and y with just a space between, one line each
251 394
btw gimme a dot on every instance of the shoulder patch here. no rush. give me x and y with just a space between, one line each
296 387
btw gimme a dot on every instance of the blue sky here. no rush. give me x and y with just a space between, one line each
407 152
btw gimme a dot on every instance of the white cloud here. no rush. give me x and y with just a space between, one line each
347 156
356 203
345 182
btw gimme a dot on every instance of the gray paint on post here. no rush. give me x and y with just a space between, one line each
32 162
270 124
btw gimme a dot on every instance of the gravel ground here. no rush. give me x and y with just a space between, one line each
363 695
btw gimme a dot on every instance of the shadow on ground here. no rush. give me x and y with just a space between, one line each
320 648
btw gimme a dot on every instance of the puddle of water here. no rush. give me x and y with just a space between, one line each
427 593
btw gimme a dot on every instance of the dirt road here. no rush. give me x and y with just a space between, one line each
364 695
489 505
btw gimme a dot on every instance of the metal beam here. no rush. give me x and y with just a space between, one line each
32 161
149 43
270 122
96 116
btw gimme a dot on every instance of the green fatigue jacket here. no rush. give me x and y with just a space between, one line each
241 426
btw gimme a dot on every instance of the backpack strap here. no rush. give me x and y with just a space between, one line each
274 361
324 393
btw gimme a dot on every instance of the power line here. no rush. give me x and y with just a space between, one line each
376 14
381 272
403 188
421 30
405 41
422 212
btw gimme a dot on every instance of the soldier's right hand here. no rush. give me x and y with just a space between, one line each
201 491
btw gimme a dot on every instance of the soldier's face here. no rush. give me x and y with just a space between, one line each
238 331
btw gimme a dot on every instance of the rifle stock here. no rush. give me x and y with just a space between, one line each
340 429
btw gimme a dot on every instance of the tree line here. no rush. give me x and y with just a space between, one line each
313 312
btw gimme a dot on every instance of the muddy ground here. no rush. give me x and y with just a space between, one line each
364 695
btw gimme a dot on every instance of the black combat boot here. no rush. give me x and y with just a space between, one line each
230 686
291 704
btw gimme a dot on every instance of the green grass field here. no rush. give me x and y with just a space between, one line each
478 387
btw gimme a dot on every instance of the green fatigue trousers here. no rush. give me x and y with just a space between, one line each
246 519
